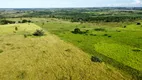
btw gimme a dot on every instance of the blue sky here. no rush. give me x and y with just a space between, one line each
68 3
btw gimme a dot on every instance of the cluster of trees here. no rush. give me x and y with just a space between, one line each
106 14
105 18
78 31
3 22
25 21
36 33
6 22
89 14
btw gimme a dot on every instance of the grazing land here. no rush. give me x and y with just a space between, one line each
71 44
47 57
118 46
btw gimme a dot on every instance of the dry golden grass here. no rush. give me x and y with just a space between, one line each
49 58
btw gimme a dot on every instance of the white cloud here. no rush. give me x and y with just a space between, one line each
138 2
135 3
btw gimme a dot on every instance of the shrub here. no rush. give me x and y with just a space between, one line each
95 59
16 28
118 30
29 21
93 34
1 51
8 44
79 41
25 36
138 23
25 21
109 36
19 21
124 26
105 34
87 31
77 30
68 50
3 22
38 33
99 29
136 50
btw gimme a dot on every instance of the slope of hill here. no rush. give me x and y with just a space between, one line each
47 58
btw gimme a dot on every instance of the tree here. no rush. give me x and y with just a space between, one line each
76 30
38 33
16 28
138 23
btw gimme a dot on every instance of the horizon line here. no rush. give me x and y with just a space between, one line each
74 7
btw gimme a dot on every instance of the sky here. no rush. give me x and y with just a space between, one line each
68 3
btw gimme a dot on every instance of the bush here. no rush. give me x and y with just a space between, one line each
87 31
118 30
16 28
136 50
19 21
68 50
38 33
109 36
76 30
3 22
93 34
99 29
105 34
138 23
29 21
1 51
124 26
25 36
25 21
95 59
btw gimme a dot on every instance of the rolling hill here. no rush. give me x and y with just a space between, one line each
47 58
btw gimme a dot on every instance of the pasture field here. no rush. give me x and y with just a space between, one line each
116 45
98 43
48 57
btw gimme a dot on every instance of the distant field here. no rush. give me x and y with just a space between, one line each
22 28
47 57
123 45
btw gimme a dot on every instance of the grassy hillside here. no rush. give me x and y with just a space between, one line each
47 58
22 28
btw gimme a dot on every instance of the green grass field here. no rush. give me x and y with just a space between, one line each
47 58
122 45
